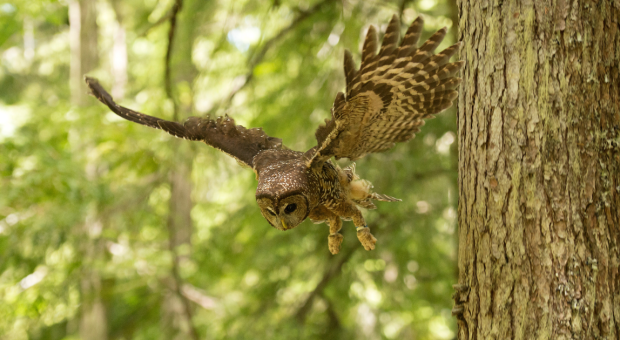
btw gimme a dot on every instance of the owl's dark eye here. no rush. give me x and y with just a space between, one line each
290 208
271 212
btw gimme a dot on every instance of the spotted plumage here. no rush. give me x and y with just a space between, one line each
386 102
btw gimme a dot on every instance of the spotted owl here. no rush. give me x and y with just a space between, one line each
386 101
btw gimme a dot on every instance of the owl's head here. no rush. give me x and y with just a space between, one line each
284 212
282 193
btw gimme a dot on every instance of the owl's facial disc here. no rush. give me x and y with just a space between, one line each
284 213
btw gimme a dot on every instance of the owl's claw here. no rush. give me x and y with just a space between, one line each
366 238
334 242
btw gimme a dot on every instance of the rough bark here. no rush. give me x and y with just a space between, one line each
539 173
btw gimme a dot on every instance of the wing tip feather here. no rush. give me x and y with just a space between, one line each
391 57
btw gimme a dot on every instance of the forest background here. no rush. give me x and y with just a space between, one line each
85 196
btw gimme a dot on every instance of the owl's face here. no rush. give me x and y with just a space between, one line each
284 212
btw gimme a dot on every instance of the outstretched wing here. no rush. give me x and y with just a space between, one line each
237 141
391 94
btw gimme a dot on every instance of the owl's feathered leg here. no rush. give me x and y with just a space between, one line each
367 239
319 215
348 209
334 240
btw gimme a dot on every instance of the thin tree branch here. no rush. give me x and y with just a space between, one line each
257 57
197 296
334 322
327 276
160 21
178 4
193 294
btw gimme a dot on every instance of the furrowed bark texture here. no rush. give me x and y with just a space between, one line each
539 173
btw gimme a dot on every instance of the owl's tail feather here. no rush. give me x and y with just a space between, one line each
368 204
384 198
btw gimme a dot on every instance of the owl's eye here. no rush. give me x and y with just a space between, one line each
290 208
271 212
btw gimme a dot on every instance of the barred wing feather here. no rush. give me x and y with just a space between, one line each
391 94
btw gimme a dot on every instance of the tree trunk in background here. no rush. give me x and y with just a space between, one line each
539 169
83 40
93 320
118 58
84 58
176 308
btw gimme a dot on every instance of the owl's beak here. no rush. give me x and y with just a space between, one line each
284 225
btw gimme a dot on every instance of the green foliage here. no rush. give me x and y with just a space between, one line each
77 179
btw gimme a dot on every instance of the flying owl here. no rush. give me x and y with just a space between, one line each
386 101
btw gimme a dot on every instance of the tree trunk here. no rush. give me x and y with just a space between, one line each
84 58
539 170
83 39
118 60
176 308
93 318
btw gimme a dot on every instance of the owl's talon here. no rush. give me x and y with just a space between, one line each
334 241
366 238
